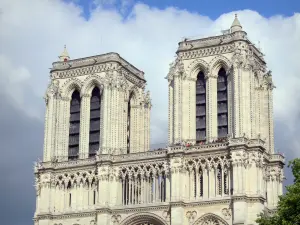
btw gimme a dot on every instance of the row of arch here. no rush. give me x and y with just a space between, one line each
201 105
152 219
96 103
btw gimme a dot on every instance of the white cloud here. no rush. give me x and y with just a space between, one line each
33 33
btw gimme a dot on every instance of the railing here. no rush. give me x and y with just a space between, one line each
277 157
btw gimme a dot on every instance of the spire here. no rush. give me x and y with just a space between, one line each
64 56
236 25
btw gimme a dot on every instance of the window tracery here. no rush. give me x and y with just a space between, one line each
210 219
201 170
222 103
129 121
200 108
95 109
143 184
74 130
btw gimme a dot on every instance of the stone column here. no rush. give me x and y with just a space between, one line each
105 113
192 109
64 126
212 183
147 127
185 110
168 187
236 102
177 108
171 112
84 126
49 131
113 190
211 107
186 185
103 177
270 120
197 183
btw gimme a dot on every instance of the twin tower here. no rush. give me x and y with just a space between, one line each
219 167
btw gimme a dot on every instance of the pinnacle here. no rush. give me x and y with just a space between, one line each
236 25
64 56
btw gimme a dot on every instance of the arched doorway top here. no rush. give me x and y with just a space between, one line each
210 219
143 218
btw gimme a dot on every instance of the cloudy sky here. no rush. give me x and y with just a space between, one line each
146 33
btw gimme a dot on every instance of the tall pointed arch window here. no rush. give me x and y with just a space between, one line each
222 104
95 107
129 121
200 108
74 130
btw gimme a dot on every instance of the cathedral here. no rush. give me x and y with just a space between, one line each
219 167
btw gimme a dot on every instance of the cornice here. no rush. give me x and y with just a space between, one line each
248 199
206 51
158 156
276 159
67 215
208 202
96 64
141 208
132 209
216 45
211 41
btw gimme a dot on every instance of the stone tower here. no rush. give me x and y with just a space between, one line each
218 169
95 103
233 91
220 91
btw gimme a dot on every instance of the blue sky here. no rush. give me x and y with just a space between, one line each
212 9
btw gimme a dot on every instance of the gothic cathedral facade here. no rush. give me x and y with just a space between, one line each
219 167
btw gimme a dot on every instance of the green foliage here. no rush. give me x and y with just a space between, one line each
288 210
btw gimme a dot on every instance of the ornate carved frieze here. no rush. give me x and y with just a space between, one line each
226 213
166 215
206 51
176 70
210 219
212 41
208 162
274 173
75 178
191 216
145 169
95 63
53 90
268 81
116 219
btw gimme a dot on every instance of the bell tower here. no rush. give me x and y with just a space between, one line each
220 87
221 102
95 105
